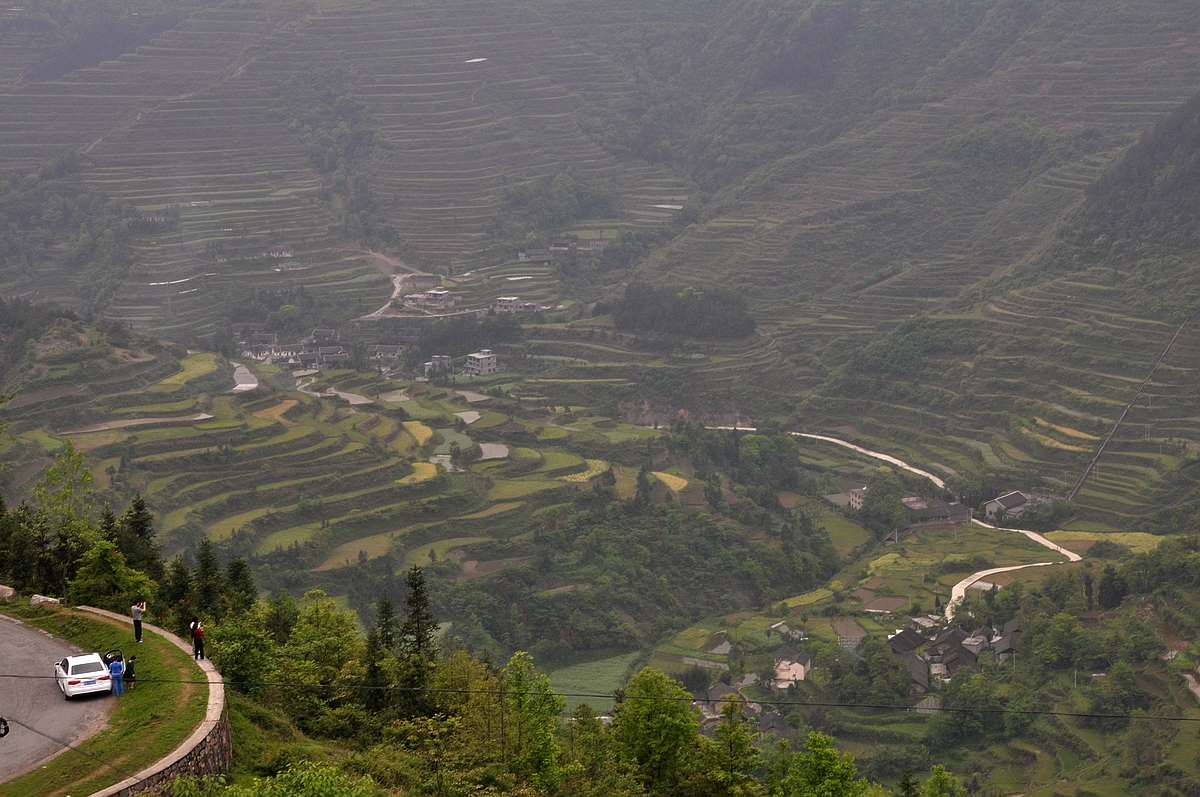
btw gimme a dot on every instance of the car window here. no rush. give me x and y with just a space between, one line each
87 666
63 664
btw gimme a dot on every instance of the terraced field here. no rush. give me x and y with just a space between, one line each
836 241
194 120
301 483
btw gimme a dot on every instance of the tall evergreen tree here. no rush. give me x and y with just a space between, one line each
645 489
1110 588
208 579
281 617
175 592
108 526
239 589
420 624
135 539
386 626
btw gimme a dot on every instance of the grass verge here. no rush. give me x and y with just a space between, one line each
146 724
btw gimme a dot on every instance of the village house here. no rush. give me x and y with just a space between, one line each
918 670
381 351
850 634
784 630
920 511
711 701
905 640
321 335
536 256
505 305
290 265
790 667
279 250
598 244
154 216
481 363
1011 505
264 338
439 364
433 299
562 244
856 498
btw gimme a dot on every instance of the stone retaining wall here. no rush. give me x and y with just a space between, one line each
208 751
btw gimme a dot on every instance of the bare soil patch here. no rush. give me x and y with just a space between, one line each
888 604
276 413
25 399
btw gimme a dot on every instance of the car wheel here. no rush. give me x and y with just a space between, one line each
65 695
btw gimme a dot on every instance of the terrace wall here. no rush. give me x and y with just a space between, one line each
208 751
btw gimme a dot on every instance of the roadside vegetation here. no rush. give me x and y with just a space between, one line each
146 723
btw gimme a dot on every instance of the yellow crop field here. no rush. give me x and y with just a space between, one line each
422 472
420 432
674 483
495 509
595 468
1136 541
1050 442
808 598
193 367
1068 431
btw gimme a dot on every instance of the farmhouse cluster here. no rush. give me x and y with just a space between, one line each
931 661
319 349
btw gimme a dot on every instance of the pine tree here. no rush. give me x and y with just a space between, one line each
375 679
644 488
1110 588
239 589
208 578
420 624
108 526
282 614
386 627
176 591
135 539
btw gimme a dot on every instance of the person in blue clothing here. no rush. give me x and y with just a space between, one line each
117 671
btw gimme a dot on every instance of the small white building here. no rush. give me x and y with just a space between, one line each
790 668
856 497
481 363
439 364
505 305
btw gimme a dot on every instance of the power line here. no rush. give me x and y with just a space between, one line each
70 746
621 695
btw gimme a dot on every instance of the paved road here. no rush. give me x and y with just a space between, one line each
39 703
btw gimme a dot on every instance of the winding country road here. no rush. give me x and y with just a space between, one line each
959 591
38 703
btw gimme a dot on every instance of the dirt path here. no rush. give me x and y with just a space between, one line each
103 427
386 265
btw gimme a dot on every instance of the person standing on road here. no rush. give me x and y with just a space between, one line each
197 639
130 677
117 671
136 610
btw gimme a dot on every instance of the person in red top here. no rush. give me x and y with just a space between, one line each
197 628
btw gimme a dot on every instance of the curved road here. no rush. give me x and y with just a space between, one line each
959 591
39 703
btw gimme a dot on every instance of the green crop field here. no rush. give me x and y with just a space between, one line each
592 678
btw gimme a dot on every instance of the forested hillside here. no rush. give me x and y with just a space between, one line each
842 166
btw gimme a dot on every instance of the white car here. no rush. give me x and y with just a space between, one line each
82 675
